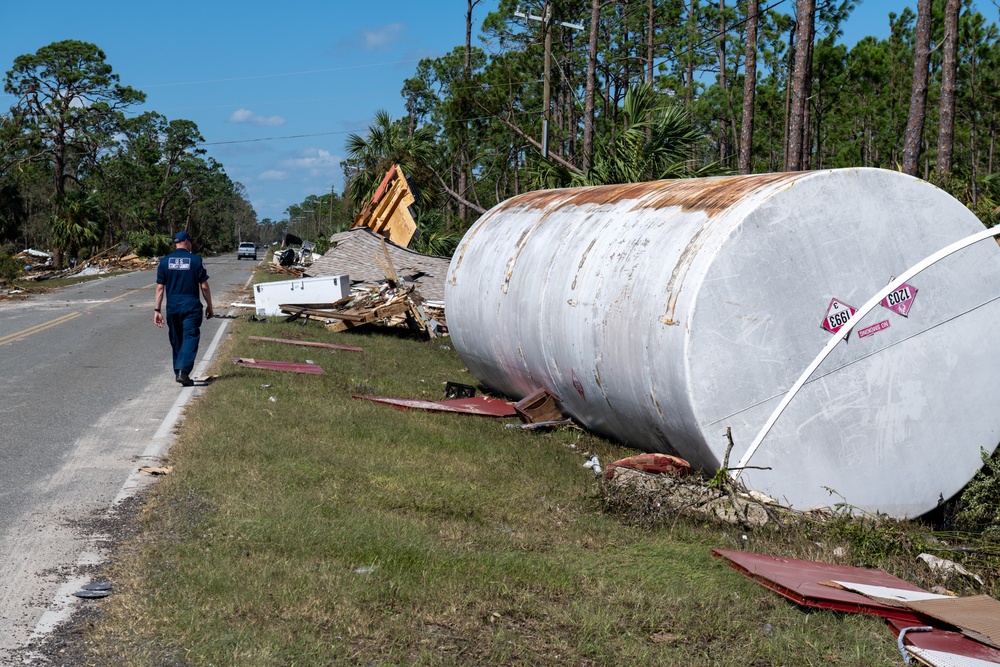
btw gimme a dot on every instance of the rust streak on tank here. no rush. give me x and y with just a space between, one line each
711 195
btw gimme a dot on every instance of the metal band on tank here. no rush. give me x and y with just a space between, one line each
846 329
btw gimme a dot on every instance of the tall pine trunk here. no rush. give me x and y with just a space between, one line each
749 90
591 89
723 121
805 9
949 74
918 91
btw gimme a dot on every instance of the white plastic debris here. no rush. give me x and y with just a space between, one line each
273 399
944 565
594 464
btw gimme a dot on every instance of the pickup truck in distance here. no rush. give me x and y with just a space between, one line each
247 249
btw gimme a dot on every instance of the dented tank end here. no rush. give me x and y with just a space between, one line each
664 313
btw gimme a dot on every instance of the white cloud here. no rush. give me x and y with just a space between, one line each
316 161
249 117
382 37
273 175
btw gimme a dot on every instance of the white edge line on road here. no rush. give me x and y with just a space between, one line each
163 437
64 603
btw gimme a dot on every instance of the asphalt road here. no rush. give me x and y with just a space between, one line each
86 385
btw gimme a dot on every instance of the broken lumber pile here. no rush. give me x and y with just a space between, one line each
393 305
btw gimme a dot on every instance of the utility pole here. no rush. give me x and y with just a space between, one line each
547 23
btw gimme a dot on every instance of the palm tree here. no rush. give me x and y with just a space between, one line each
387 143
77 224
657 144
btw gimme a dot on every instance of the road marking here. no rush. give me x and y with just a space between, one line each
38 328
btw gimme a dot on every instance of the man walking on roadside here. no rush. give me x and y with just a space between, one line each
181 276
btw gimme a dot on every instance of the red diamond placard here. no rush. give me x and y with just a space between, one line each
901 299
837 314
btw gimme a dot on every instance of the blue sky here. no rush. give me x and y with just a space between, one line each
275 88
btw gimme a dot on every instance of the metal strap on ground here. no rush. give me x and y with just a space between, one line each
842 333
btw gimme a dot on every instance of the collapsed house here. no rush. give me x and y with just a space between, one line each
387 281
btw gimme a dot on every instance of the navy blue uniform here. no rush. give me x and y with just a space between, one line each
181 273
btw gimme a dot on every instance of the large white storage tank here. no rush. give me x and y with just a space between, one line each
662 313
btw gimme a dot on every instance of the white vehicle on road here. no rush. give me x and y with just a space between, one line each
247 249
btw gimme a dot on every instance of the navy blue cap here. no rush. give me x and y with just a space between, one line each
180 237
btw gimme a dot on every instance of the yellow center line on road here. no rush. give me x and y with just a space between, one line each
38 328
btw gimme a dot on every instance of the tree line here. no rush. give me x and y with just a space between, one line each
78 173
565 93
652 89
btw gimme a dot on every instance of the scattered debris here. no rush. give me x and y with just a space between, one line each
539 406
800 582
944 565
658 464
977 616
387 213
292 366
940 641
459 390
306 343
38 264
543 426
482 406
91 595
594 464
353 252
98 586
293 258
153 471
913 614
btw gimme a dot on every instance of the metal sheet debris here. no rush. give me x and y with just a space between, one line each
946 641
944 659
306 343
309 369
482 406
799 581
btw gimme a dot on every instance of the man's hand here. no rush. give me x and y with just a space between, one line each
209 311
158 319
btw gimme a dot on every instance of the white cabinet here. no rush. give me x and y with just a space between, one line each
268 297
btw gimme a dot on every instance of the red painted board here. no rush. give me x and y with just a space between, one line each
310 369
478 405
798 580
307 343
946 641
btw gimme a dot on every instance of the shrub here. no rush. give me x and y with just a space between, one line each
980 501
10 268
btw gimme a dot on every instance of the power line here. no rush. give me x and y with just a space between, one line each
272 76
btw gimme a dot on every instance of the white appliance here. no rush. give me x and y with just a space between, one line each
268 297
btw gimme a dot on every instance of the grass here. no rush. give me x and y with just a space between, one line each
303 527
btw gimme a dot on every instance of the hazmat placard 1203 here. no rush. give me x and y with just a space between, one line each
901 299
